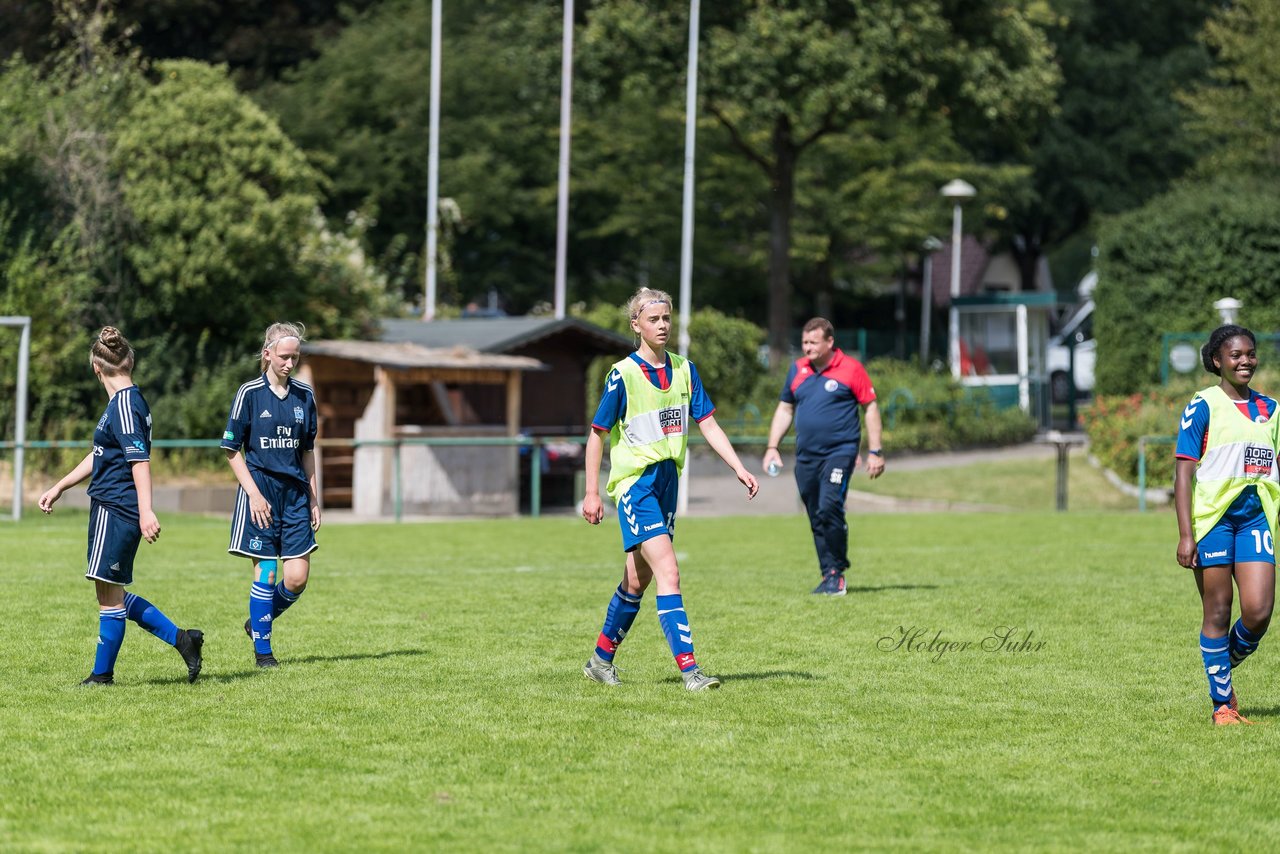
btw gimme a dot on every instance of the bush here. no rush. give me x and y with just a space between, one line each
1161 267
1115 423
920 410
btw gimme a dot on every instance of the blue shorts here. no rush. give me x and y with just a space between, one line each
648 508
113 542
1242 535
290 534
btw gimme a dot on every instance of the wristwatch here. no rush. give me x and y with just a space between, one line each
877 452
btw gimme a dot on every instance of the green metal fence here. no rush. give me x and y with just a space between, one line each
535 444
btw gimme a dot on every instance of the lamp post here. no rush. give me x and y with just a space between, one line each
959 192
931 245
1228 307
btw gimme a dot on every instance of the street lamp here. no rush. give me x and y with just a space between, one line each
1228 307
931 245
959 192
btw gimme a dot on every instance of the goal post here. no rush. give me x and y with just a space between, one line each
20 409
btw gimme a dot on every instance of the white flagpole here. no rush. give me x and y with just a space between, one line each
686 228
566 113
433 167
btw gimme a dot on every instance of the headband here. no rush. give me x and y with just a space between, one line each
649 303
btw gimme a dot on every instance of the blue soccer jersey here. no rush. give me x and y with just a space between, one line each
273 432
1193 426
122 437
613 402
826 404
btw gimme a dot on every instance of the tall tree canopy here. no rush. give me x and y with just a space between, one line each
159 200
780 77
1119 136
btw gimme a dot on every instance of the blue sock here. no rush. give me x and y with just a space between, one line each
110 636
622 611
1243 643
1217 666
675 625
281 598
260 616
150 618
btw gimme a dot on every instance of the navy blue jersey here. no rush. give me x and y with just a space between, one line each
273 432
613 402
122 437
826 404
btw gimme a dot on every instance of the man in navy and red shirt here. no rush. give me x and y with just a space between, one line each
822 392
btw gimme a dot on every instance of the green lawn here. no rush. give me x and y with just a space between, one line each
430 696
1014 484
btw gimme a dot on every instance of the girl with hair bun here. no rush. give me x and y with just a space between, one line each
648 401
1226 494
269 442
120 512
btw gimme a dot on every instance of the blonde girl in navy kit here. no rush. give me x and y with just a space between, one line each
269 443
120 512
648 401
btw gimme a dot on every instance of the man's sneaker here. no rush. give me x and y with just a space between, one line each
599 670
100 679
190 643
266 659
1224 715
833 584
248 630
696 680
1231 701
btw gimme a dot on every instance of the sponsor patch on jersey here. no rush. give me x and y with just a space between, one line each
1258 459
297 414
672 421
831 385
229 436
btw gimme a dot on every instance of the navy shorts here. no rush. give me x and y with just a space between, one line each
1242 535
290 534
648 508
113 542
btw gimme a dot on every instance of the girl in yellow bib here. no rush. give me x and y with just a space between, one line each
1226 492
648 401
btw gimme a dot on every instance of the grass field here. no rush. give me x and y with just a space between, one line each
430 696
1028 484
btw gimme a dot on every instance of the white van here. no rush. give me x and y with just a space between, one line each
1078 329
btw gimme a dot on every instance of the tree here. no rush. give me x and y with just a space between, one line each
256 40
170 206
360 111
1119 136
779 77
1162 266
1235 109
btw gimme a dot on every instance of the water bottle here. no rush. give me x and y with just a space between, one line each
773 468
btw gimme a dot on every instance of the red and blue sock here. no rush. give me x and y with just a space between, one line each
622 611
675 625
